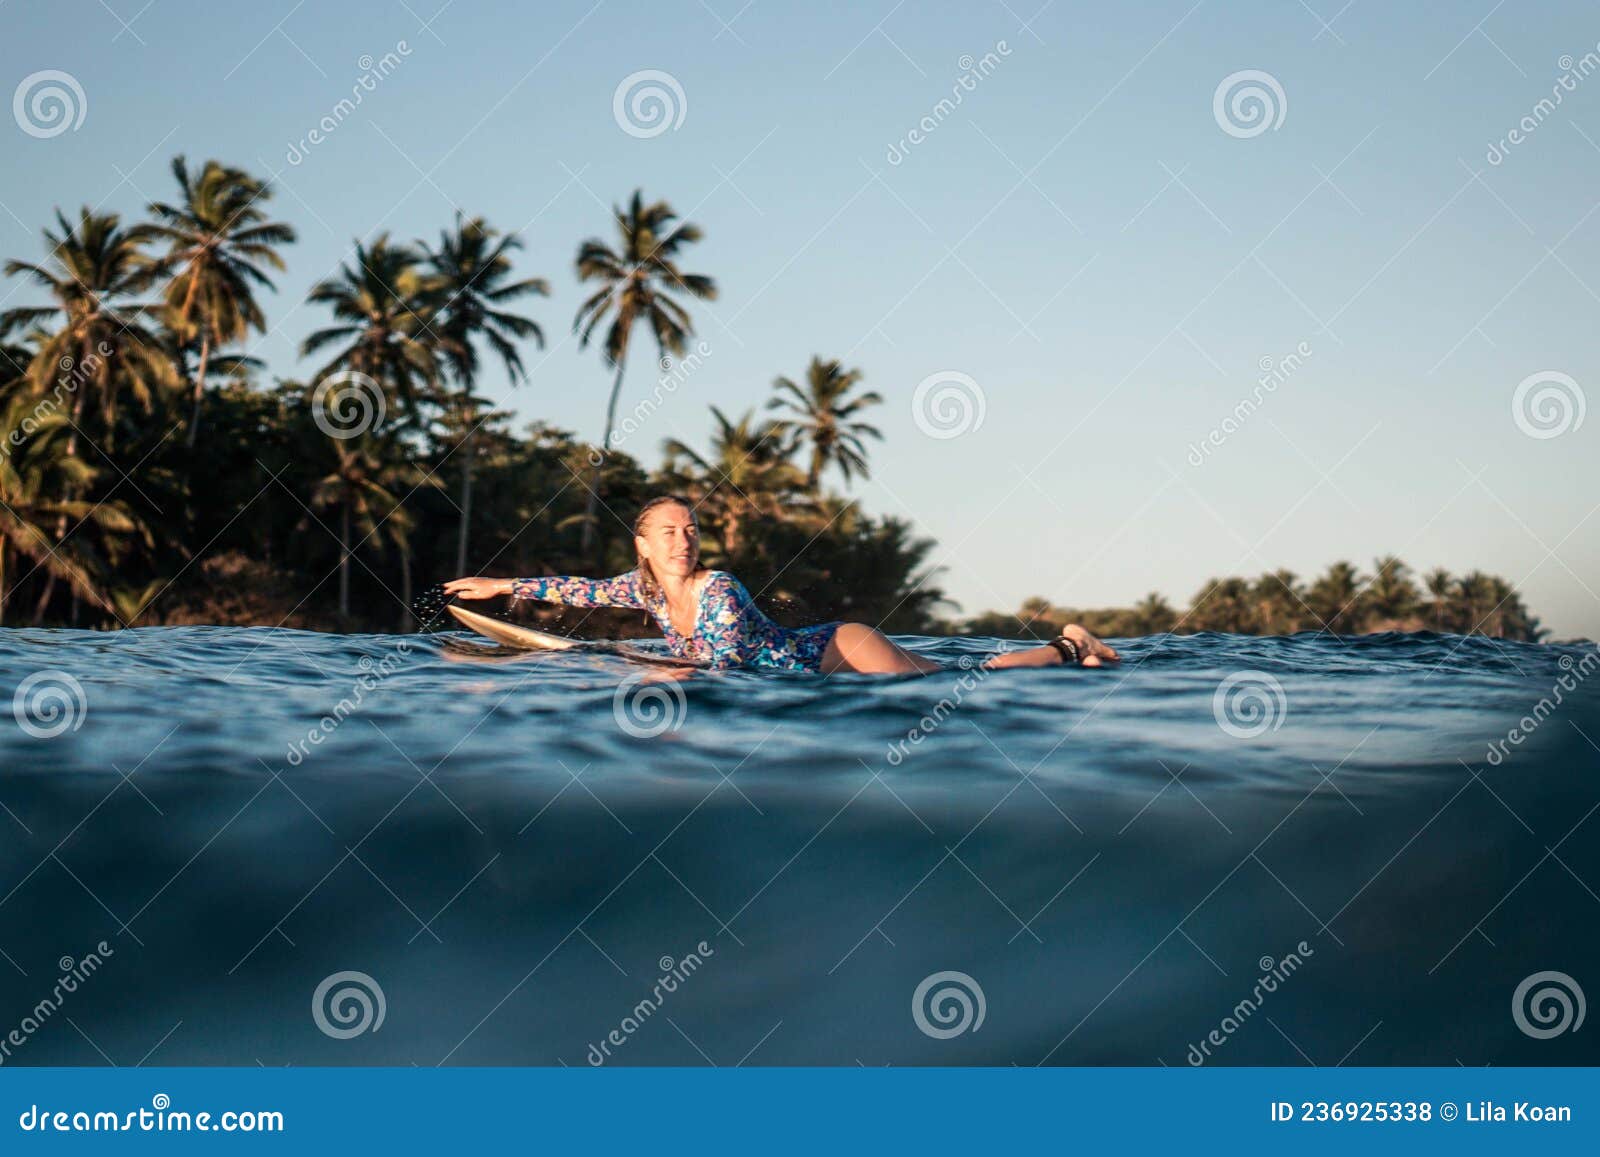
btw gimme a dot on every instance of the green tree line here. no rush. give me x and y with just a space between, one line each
149 474
1341 601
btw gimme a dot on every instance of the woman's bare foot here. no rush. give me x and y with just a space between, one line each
1091 652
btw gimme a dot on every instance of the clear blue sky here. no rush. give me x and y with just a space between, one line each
1080 237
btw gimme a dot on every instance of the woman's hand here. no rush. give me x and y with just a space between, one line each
1091 651
477 588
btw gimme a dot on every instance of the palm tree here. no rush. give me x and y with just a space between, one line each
1391 597
1477 600
219 239
361 487
1037 614
91 341
1441 585
1332 598
1224 605
14 362
385 305
1154 614
102 347
474 270
1278 603
638 280
747 475
822 415
32 473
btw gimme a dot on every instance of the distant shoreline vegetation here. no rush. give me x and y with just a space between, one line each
1341 601
151 472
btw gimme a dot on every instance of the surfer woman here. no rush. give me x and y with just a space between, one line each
707 615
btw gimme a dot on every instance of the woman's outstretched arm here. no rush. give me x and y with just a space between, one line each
570 590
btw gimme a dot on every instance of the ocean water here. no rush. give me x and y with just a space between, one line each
242 846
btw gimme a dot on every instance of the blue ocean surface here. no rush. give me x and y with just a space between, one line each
289 848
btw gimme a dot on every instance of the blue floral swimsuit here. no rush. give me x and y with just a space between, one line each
729 629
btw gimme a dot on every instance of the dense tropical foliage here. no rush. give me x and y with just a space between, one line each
1341 601
150 473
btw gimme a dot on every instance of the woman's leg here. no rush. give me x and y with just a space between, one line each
867 651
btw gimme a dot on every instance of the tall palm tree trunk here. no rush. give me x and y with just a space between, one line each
469 449
594 475
199 389
407 616
344 560
71 451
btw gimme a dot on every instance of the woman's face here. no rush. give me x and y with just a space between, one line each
670 541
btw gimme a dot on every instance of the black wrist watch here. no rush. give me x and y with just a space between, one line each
1068 649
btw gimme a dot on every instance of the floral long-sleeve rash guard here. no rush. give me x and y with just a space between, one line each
729 629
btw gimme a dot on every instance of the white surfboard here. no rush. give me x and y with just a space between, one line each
531 639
